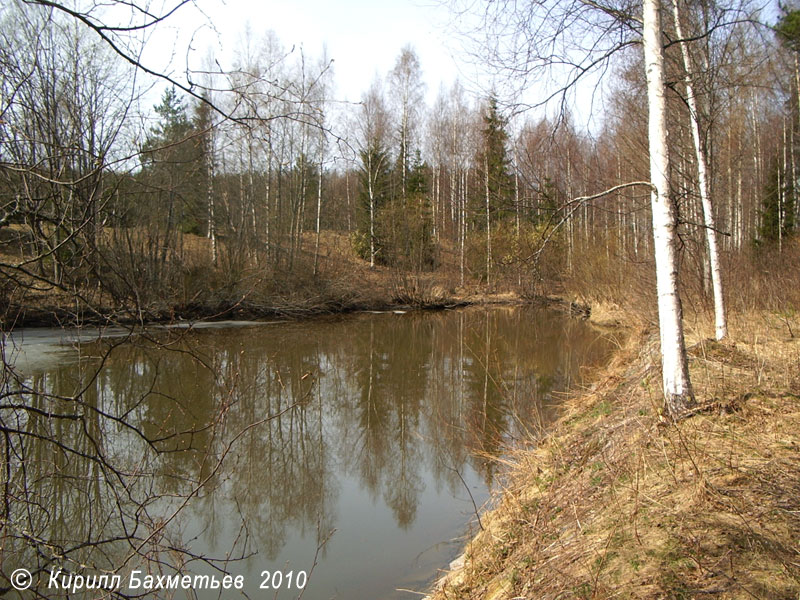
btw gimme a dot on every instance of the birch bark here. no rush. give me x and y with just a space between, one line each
677 387
721 323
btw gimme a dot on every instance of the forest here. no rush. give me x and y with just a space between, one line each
654 175
254 184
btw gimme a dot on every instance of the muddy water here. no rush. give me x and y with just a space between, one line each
347 452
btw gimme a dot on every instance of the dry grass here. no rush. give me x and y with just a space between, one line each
241 285
616 503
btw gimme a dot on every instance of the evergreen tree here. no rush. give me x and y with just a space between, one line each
493 157
779 201
172 164
493 166
417 180
174 124
204 124
778 207
788 28
414 247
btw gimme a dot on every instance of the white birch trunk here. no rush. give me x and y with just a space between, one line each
268 216
347 193
488 223
371 192
782 187
738 232
319 211
678 394
463 224
720 319
211 229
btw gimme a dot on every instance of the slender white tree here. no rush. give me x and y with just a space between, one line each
721 324
532 42
675 370
407 88
372 132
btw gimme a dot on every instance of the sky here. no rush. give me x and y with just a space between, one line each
363 37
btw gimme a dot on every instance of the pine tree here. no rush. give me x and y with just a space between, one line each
173 125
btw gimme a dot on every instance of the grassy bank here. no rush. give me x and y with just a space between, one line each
614 502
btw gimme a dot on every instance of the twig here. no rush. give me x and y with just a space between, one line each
466 487
316 556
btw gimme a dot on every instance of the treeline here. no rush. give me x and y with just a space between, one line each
238 190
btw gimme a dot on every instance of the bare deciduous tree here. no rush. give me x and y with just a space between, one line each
675 369
569 41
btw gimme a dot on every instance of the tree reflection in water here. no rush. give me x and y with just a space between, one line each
392 407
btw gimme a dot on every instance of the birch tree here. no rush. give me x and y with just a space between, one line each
536 41
320 108
405 82
372 131
675 370
720 321
454 128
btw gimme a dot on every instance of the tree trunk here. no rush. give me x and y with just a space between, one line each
677 387
488 223
211 229
371 192
462 238
319 212
347 194
704 184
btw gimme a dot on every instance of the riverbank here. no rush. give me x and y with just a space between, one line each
616 502
422 293
339 283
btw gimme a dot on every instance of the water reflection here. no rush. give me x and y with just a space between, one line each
371 425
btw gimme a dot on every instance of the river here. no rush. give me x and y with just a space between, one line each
344 453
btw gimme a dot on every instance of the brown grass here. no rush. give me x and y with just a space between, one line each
615 502
240 286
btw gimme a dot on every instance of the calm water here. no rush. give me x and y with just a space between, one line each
354 447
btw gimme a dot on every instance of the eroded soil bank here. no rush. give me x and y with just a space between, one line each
616 502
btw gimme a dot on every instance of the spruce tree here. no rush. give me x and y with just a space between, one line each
778 207
172 164
494 201
494 158
779 201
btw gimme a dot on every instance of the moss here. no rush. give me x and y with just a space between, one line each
602 409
